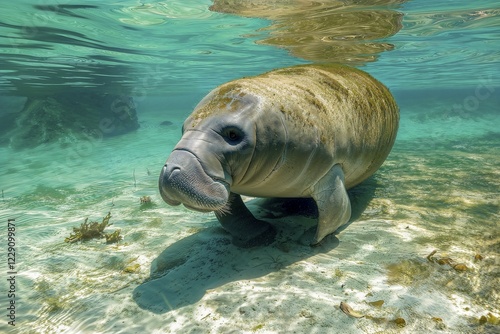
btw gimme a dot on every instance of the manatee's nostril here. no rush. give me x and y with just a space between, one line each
169 169
173 171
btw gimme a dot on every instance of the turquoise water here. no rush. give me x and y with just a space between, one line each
175 271
156 48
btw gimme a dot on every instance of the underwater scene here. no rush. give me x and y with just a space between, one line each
93 97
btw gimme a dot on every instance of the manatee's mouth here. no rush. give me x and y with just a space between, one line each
183 180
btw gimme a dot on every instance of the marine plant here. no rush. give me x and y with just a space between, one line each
92 230
146 202
113 237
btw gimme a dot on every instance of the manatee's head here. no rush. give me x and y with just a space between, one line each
219 149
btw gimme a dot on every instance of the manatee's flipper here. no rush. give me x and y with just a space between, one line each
246 230
334 207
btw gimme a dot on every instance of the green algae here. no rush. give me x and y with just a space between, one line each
408 272
132 268
54 304
113 237
257 328
94 230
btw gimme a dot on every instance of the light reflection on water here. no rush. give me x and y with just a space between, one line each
154 48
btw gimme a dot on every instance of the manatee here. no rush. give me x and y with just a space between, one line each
307 131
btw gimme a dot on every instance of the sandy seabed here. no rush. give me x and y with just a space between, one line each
176 271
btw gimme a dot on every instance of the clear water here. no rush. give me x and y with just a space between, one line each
175 271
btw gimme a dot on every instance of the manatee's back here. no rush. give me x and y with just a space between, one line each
354 116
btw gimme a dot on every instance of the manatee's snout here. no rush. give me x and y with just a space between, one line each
184 180
167 179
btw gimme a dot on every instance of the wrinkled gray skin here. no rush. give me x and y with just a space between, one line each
303 131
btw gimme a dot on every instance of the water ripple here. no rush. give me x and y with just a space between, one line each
125 48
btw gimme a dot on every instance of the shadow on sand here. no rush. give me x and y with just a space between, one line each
185 270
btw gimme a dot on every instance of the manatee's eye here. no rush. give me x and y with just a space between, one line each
233 135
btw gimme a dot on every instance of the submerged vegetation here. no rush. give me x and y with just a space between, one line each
93 230
146 202
113 237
